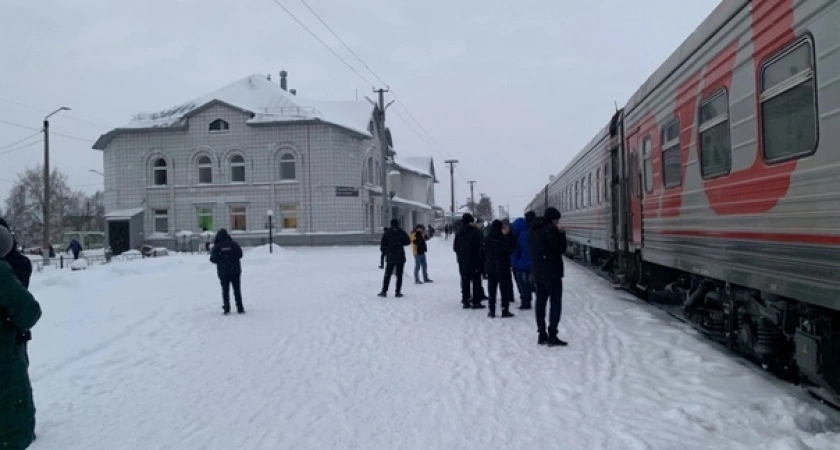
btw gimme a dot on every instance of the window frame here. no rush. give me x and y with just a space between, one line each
199 215
673 144
283 216
787 85
237 165
282 160
160 214
709 125
200 166
233 215
164 168
647 164
225 128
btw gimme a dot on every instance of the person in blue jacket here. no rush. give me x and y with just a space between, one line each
521 262
75 248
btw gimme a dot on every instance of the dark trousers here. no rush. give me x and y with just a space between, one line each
227 281
471 283
549 290
390 268
75 256
526 288
501 281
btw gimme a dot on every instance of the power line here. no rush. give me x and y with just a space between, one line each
277 2
22 140
407 111
66 116
52 133
343 43
6 152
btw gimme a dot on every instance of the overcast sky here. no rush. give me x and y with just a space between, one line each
512 90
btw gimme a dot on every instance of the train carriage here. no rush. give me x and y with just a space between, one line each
720 182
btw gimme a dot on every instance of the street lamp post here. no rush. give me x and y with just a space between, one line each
97 172
46 206
270 214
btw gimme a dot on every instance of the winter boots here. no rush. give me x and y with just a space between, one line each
550 340
505 311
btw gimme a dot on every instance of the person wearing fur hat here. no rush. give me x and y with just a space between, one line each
18 313
549 245
467 247
393 242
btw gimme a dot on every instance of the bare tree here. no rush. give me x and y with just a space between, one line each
484 208
24 205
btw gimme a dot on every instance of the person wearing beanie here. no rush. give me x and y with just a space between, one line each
467 247
18 313
548 244
498 246
393 242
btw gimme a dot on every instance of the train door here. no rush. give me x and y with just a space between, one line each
617 193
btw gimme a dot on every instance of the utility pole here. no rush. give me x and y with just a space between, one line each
383 144
46 206
472 196
452 163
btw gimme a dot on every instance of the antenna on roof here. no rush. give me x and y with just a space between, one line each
616 105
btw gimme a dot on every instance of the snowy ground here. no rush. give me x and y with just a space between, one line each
136 355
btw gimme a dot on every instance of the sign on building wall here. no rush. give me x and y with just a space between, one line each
346 191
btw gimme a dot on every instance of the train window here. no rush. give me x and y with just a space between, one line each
598 185
607 184
789 104
583 192
648 167
671 155
589 190
715 144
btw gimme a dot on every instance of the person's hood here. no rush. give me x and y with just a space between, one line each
222 235
519 225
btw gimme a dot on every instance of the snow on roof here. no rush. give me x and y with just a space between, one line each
123 213
268 103
421 165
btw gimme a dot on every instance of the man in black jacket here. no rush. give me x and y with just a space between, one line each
498 246
548 244
393 243
225 255
467 246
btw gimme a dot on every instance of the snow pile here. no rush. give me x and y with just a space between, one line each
79 264
264 249
137 354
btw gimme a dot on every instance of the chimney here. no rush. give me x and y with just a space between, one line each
283 79
293 91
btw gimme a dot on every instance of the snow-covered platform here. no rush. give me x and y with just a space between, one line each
136 354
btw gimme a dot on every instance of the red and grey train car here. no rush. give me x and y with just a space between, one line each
719 183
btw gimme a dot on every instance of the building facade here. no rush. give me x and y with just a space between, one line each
236 156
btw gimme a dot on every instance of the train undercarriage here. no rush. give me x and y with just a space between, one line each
795 340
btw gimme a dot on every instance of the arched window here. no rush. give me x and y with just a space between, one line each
159 169
205 170
237 169
369 177
376 173
219 126
287 167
